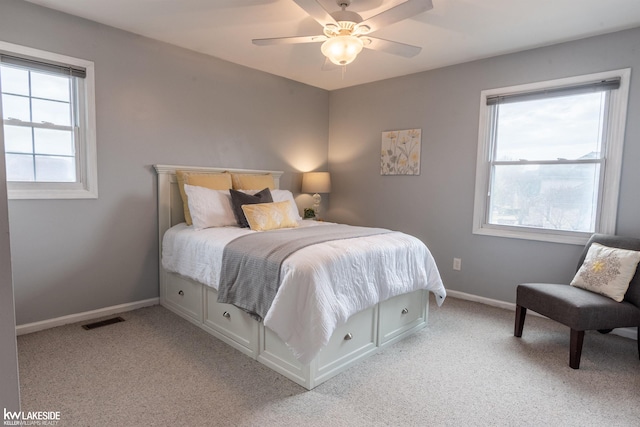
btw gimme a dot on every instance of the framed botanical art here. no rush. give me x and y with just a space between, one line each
400 154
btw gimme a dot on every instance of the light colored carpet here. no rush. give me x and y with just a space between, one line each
466 368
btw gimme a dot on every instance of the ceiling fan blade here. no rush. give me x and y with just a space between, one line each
316 11
394 48
289 40
397 13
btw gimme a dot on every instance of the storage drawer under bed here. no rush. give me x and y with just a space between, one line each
351 342
356 336
183 295
401 314
232 322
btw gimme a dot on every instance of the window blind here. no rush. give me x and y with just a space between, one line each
599 86
48 67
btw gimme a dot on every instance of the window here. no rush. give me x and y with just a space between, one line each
49 124
549 158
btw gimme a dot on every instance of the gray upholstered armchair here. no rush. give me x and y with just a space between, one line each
579 309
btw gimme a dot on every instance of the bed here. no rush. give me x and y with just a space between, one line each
314 328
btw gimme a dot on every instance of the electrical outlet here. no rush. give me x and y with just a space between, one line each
457 264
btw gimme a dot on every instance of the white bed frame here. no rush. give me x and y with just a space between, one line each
362 335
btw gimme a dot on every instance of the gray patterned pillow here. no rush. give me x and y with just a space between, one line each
607 271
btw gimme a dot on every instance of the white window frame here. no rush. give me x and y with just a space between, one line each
614 142
86 186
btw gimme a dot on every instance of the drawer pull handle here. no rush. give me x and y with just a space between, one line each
226 314
348 336
180 292
405 310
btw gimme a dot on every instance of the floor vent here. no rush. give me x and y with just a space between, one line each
103 323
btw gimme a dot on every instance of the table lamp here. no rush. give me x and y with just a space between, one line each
316 182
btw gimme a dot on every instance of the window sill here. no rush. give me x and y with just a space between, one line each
48 193
534 234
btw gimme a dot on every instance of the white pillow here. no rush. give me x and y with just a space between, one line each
607 271
282 196
209 208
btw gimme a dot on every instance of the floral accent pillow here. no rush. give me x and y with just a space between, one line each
281 196
607 271
269 216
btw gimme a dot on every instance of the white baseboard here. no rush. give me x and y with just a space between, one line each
28 328
623 332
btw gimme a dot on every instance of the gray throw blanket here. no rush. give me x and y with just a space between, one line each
250 275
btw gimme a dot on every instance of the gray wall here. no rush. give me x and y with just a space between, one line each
155 104
437 206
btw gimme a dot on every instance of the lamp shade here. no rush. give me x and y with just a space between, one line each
316 182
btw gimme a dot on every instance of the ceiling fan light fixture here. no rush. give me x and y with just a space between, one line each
346 33
342 50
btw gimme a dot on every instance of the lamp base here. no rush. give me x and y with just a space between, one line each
316 205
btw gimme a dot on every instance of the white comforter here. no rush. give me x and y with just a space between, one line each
322 285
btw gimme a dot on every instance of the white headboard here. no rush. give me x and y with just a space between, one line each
170 210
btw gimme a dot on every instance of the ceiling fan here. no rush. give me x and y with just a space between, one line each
346 33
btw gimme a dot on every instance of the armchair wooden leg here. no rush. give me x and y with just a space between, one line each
521 313
575 352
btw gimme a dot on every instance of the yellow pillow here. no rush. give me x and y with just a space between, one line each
243 181
212 181
269 216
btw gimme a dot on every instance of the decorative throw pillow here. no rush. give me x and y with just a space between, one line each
209 208
238 199
270 216
214 181
281 196
607 271
243 181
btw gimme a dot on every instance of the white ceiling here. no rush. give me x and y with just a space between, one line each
454 31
